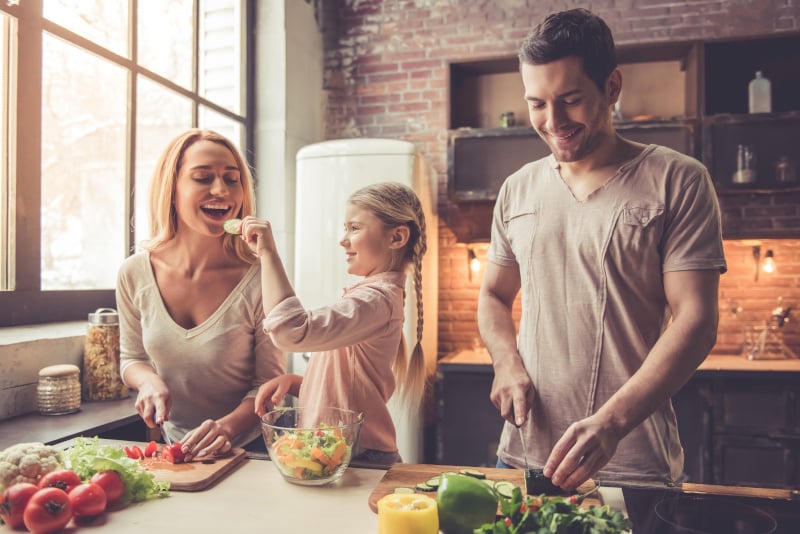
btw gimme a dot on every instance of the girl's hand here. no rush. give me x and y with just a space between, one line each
153 402
208 439
272 392
257 234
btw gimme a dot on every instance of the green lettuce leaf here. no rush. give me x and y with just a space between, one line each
87 457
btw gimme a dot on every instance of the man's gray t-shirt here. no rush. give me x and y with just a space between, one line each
593 302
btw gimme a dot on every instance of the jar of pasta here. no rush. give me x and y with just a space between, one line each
101 377
59 389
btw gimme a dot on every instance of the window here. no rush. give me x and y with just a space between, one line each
91 92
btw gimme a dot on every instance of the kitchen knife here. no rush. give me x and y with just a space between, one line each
165 435
535 481
524 450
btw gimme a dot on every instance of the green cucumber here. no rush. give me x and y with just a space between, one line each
433 481
504 488
536 483
404 490
424 487
233 226
473 473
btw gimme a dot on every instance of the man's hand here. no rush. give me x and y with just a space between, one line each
586 446
512 391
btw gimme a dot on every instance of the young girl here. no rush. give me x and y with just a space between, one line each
357 342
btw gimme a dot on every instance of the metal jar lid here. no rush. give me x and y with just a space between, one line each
59 371
104 316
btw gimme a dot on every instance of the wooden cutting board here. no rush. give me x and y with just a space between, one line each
409 475
197 475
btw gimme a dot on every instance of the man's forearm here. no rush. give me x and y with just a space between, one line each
497 329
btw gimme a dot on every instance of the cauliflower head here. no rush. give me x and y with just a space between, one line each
27 462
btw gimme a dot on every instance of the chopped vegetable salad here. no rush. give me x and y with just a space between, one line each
310 454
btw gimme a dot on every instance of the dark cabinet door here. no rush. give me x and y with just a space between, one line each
755 461
692 405
468 424
754 407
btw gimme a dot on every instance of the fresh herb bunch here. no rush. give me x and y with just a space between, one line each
555 515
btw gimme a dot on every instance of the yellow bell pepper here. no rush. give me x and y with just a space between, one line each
407 513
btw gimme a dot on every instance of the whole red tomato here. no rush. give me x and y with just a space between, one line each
112 483
13 502
61 478
47 511
87 500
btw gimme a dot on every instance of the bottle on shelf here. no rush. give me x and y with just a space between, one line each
760 94
745 165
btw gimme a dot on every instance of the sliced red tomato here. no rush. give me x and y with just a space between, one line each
60 478
13 501
135 452
112 483
47 511
87 500
151 451
173 453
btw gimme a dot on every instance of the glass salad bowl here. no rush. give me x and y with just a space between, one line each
311 446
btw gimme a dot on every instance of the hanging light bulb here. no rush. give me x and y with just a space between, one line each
769 262
474 262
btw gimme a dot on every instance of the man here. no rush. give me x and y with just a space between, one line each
607 240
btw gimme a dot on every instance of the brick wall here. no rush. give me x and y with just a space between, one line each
386 76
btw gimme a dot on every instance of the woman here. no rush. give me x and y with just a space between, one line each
190 303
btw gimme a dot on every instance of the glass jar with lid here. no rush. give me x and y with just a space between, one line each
101 376
59 389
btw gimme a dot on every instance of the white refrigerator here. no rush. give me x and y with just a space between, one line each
327 173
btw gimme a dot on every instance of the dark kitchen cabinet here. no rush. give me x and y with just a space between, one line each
468 425
772 136
741 428
692 405
742 460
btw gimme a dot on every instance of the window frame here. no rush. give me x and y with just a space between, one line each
25 302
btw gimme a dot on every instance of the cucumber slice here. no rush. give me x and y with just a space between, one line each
504 488
232 226
434 482
473 473
424 487
404 490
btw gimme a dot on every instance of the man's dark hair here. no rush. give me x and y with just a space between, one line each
577 32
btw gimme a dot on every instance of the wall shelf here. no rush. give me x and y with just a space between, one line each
695 92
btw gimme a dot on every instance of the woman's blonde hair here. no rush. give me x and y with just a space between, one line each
395 205
164 218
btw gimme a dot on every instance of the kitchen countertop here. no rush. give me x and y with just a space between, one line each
92 419
712 363
254 498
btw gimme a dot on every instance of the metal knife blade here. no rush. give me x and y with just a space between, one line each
524 447
165 435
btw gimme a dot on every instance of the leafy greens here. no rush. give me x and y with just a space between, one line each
87 457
